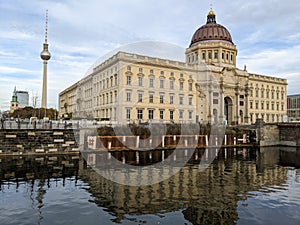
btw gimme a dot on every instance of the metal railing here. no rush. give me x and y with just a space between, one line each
15 124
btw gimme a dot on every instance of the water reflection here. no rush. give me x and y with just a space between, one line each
222 194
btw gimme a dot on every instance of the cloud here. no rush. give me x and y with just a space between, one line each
266 34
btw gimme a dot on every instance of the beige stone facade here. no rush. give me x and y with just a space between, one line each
132 88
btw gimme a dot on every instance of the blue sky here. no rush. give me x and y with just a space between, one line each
266 33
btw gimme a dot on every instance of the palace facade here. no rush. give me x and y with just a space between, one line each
207 87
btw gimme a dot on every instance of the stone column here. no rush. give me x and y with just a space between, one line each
237 98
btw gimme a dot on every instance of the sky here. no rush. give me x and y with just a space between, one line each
266 33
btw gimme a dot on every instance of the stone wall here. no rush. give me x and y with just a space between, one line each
289 134
38 141
269 135
283 134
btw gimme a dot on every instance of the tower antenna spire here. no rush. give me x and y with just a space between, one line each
46 31
45 56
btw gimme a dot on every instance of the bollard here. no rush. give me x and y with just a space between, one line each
225 141
137 142
206 140
163 141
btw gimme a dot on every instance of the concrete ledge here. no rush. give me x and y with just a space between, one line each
58 133
31 133
70 142
11 136
51 145
288 143
59 140
19 146
65 145
269 143
39 150
53 150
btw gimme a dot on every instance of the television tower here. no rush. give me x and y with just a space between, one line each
45 55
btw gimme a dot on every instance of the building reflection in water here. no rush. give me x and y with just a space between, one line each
207 197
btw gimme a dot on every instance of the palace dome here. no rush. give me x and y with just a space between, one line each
211 31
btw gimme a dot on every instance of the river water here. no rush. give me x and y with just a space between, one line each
245 186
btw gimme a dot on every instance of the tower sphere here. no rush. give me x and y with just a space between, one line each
45 55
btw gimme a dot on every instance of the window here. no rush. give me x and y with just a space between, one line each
272 94
171 99
128 96
171 115
251 105
128 68
190 86
256 105
181 85
181 100
181 114
215 101
140 97
151 82
116 80
140 81
251 93
150 98
282 107
216 54
162 73
172 74
272 106
181 75
190 115
161 114
256 93
268 106
262 105
209 55
161 99
262 93
128 111
241 103
150 114
190 100
161 83
140 70
268 94
171 84
151 71
277 106
140 114
128 80
203 55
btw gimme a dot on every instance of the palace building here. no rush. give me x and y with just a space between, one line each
207 87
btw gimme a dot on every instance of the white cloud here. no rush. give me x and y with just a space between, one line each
266 34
